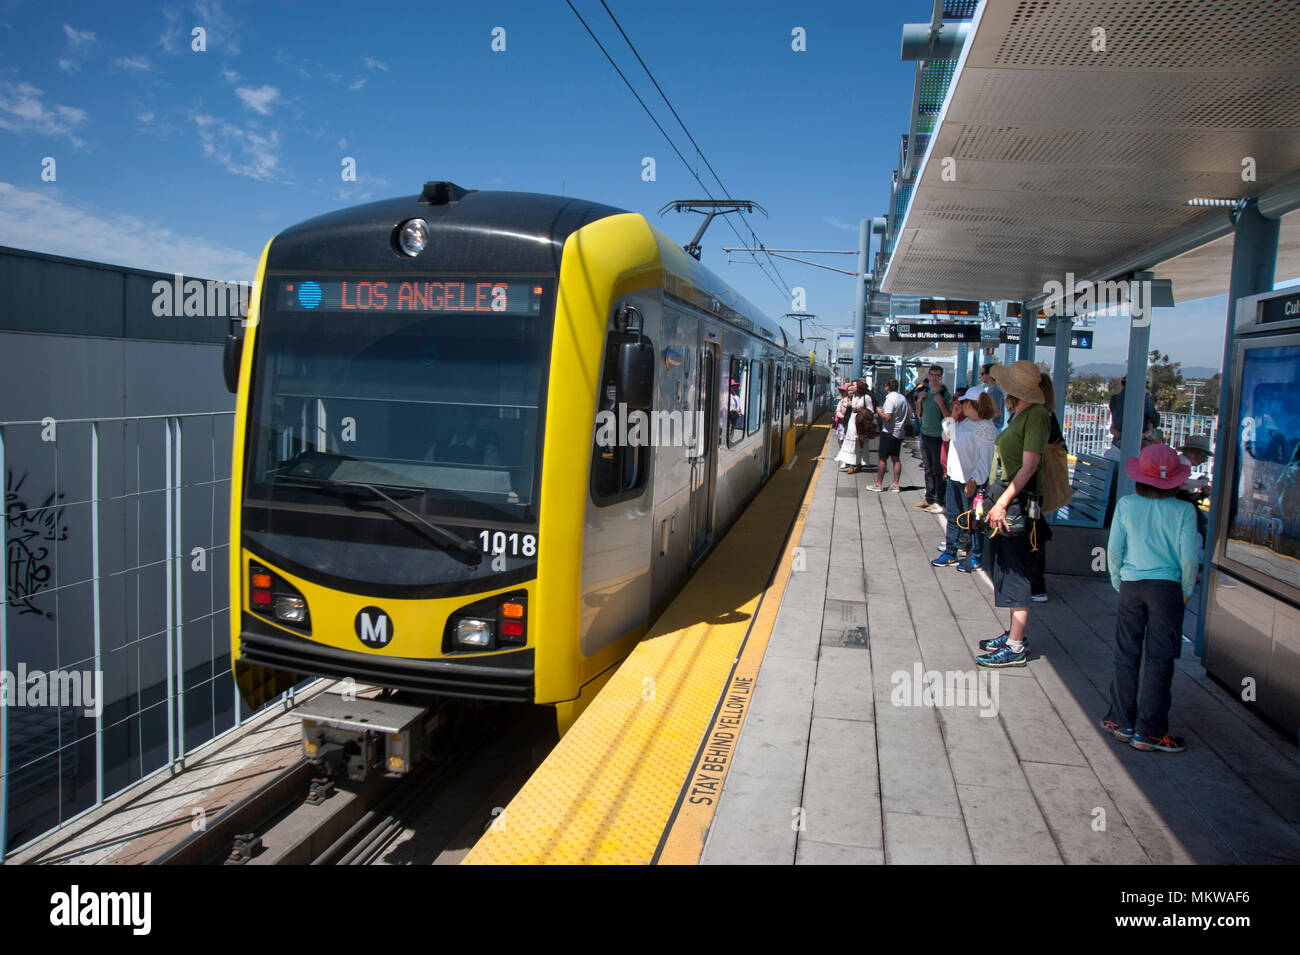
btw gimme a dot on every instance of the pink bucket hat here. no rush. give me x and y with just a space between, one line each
1158 466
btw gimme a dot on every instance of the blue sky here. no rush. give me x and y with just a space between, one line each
173 159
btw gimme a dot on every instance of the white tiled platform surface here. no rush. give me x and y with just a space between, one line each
828 770
143 822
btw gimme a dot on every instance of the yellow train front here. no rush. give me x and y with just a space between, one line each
481 441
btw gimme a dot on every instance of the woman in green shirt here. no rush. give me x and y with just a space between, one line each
1016 458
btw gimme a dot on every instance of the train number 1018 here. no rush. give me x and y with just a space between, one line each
514 544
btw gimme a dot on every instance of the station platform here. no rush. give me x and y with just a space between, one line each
775 715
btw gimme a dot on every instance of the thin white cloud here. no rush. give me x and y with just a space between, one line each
133 64
230 76
145 118
170 39
38 220
839 224
222 27
374 64
244 152
21 111
81 43
358 84
258 99
343 144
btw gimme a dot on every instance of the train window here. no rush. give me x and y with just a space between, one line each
756 397
736 393
618 468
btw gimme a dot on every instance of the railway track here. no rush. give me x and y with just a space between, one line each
355 823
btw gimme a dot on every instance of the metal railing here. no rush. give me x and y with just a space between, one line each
1087 430
115 565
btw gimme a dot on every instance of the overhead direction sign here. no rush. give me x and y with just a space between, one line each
934 332
949 306
1079 337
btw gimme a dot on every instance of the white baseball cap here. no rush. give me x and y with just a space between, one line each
973 394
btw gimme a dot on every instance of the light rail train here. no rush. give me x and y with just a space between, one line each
483 438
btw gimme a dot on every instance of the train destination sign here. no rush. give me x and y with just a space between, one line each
935 332
428 296
949 306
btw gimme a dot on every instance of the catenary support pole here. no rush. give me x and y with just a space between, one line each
860 312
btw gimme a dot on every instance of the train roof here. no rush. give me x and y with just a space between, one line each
526 229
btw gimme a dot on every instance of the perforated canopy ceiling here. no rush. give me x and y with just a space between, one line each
1068 158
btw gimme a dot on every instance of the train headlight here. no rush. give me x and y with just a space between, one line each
472 632
413 236
290 609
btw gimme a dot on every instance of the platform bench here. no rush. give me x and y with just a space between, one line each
1094 494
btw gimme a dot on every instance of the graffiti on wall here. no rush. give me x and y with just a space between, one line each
30 532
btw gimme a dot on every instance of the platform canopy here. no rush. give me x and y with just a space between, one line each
1074 134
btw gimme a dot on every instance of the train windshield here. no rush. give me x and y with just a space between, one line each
432 388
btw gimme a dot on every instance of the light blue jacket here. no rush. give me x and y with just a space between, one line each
1153 539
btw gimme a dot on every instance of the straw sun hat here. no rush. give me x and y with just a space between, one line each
1020 380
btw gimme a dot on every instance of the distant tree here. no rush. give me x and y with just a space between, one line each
1164 380
1088 390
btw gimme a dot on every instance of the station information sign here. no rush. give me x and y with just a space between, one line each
934 332
1284 308
949 306
1079 338
457 295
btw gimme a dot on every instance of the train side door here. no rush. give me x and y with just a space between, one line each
703 455
772 415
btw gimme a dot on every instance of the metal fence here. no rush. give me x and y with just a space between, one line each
114 639
1087 430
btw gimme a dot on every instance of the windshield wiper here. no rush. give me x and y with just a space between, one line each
447 537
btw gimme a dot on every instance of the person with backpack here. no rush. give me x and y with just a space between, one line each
1013 496
970 454
1151 555
933 404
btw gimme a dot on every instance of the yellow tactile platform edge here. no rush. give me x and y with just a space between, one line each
610 789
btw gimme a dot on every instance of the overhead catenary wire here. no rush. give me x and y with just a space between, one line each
700 152
786 291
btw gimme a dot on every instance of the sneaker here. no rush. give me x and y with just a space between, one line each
844 467
944 560
1038 598
921 506
1004 657
896 489
875 487
1166 744
969 566
936 508
1121 733
996 643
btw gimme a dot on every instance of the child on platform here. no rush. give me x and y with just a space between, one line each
1152 561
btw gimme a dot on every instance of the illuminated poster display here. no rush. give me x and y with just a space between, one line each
1264 517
